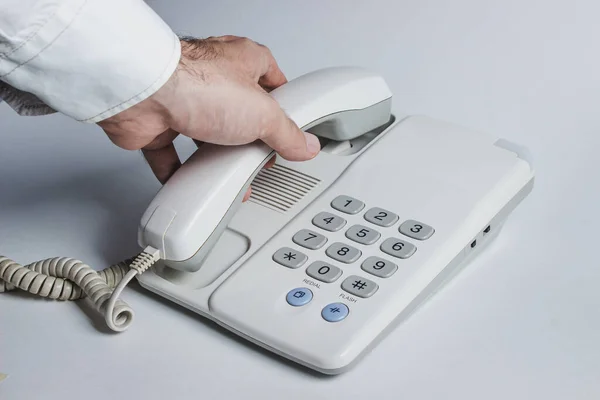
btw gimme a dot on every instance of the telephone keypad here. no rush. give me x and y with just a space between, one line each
379 267
398 248
309 239
347 254
329 222
324 272
359 286
343 253
362 234
347 204
289 257
416 230
381 217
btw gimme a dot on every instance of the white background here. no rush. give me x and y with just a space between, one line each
522 322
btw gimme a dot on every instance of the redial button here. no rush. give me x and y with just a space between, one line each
299 297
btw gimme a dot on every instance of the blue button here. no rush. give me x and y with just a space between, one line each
335 312
299 297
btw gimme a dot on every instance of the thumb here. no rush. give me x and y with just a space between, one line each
284 136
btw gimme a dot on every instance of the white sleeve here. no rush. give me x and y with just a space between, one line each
88 59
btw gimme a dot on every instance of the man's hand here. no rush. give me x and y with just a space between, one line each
218 94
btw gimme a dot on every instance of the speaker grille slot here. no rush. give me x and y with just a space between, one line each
279 187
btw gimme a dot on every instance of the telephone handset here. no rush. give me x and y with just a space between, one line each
190 212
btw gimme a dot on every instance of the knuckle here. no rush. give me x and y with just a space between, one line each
265 49
130 142
121 141
127 144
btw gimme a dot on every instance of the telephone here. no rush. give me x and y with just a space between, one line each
327 255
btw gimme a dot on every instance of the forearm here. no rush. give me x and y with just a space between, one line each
88 59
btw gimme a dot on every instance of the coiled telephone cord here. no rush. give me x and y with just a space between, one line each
64 278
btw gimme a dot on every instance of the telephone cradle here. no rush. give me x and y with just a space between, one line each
328 255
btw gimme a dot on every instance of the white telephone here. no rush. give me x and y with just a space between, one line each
327 254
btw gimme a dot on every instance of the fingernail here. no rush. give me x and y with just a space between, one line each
312 143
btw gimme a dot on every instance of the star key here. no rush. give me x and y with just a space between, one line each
289 257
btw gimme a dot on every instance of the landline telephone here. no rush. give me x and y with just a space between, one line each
327 255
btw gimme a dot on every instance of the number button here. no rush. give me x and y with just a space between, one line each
381 217
329 222
347 204
398 248
343 253
360 287
324 272
416 230
289 257
362 234
309 239
379 267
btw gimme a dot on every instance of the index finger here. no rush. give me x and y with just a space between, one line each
272 76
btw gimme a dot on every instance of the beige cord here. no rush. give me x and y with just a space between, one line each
64 278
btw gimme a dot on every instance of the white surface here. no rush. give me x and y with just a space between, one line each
521 322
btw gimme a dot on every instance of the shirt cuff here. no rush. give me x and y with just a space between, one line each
95 58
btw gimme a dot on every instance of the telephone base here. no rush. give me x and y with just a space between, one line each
414 206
